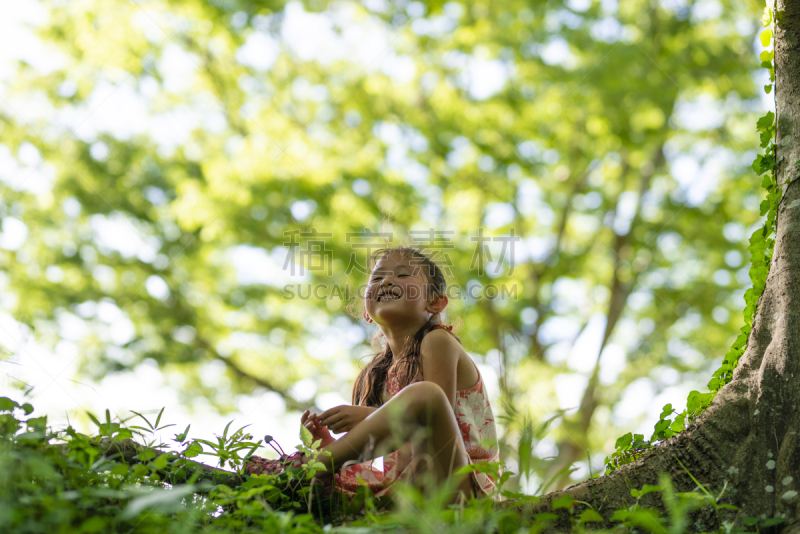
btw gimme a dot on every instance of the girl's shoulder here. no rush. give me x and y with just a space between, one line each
446 327
468 372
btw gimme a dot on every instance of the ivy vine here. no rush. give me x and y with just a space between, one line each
631 446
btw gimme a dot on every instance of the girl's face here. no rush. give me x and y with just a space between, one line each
395 294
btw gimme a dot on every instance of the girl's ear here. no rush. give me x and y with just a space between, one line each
367 317
439 303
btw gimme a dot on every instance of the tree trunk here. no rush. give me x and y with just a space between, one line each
748 437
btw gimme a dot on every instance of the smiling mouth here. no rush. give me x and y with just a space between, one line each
387 297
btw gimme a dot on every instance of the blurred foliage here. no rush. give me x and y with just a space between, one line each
159 157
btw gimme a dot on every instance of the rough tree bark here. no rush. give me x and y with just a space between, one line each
748 437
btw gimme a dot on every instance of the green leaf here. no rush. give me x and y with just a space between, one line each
647 519
765 37
624 441
694 401
139 471
37 423
182 436
121 470
620 515
661 426
7 405
589 516
146 455
160 462
94 420
647 488
160 413
565 501
766 121
678 425
305 436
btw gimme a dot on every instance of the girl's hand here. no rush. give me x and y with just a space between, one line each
343 418
317 429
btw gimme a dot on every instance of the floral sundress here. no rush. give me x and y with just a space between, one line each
476 422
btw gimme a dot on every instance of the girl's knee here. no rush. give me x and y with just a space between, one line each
425 394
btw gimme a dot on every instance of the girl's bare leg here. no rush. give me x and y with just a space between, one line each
419 408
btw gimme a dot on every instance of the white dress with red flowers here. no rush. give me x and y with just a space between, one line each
477 425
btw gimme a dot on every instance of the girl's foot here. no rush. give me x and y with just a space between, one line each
257 465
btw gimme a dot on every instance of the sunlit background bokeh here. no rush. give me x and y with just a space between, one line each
153 154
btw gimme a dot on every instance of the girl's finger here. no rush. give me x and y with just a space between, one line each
329 412
328 421
337 426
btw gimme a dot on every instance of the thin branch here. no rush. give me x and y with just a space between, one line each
291 403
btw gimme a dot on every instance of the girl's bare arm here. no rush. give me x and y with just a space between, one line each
439 354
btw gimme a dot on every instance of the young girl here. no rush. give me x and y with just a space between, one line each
421 397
